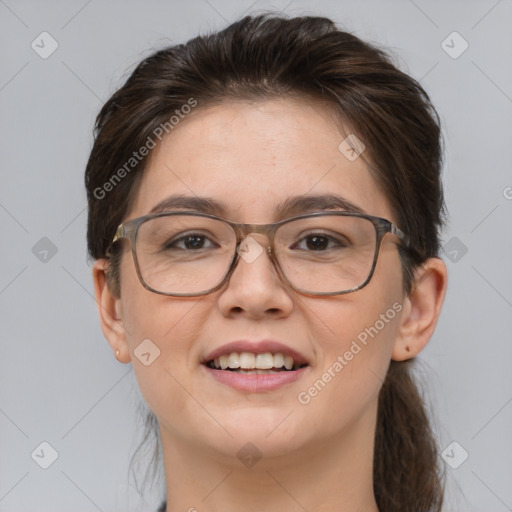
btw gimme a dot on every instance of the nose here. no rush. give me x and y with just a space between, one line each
255 289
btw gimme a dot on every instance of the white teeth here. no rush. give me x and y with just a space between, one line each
278 360
234 360
264 361
250 361
247 360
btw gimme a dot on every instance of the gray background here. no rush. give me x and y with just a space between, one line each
59 381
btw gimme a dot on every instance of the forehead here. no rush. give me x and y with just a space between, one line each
253 156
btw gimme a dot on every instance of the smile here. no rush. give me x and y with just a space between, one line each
247 362
255 373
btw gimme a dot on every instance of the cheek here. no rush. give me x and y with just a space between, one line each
161 340
147 314
354 337
344 387
161 333
358 334
363 324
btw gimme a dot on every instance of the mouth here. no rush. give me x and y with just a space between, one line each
255 364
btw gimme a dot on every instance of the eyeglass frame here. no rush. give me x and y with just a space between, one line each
130 228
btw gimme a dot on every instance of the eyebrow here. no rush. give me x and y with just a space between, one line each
292 206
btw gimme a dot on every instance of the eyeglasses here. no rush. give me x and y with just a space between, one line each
190 254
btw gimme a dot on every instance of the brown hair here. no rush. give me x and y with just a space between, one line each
305 57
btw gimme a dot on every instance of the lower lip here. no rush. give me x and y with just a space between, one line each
256 383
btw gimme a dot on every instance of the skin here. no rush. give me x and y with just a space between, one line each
315 456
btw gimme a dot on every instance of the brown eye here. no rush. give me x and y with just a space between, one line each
190 242
318 242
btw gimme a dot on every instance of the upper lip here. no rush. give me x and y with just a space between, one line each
256 347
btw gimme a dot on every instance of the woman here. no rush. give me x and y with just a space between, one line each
264 210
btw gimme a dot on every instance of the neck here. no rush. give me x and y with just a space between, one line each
335 475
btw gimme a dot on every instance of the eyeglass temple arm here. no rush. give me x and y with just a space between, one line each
120 233
401 235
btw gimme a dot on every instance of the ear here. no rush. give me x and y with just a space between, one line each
421 309
109 309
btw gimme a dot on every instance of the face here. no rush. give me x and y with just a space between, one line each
251 157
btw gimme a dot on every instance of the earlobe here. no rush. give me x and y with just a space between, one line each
421 309
110 312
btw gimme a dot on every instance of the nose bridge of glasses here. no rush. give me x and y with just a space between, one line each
262 233
249 236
